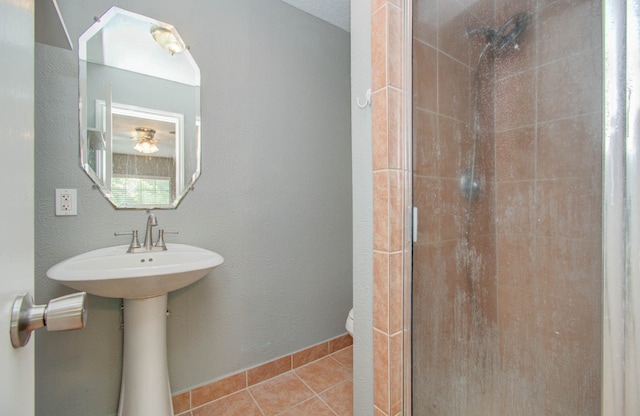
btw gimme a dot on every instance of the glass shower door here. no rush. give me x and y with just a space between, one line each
507 179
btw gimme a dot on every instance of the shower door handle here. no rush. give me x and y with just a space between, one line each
414 229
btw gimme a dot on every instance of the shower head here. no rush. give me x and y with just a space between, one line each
507 34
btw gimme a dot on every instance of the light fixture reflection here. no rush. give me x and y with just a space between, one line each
146 147
146 141
168 38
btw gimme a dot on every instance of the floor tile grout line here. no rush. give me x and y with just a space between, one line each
293 372
334 359
304 401
328 406
330 388
343 365
255 401
316 395
190 411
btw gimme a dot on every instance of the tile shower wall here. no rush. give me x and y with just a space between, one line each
388 191
548 162
532 256
454 282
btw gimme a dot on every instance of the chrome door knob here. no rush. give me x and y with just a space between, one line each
65 313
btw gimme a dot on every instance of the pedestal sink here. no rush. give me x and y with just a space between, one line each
143 280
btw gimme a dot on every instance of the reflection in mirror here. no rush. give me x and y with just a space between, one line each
139 111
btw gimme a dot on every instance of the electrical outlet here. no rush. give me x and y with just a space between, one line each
66 202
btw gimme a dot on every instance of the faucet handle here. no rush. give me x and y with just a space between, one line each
160 242
135 244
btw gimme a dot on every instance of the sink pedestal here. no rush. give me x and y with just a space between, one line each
143 279
144 389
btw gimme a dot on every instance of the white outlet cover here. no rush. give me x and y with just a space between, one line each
62 209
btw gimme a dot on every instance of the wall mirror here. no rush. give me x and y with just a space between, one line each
139 111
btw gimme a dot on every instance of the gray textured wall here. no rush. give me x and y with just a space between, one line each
274 199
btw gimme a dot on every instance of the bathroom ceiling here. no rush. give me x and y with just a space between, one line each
335 12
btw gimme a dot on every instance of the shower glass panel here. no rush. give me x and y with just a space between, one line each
507 179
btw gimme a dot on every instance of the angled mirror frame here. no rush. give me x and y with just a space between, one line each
139 110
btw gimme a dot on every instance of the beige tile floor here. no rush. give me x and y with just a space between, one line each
322 387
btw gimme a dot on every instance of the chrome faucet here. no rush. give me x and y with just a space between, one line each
148 244
152 221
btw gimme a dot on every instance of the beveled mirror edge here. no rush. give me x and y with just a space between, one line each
83 130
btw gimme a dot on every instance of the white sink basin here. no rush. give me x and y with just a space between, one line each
112 272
